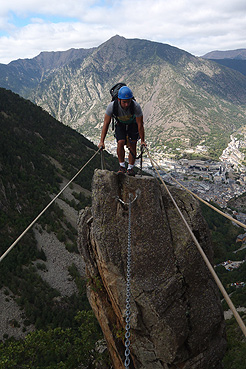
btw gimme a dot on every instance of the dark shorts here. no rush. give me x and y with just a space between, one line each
124 130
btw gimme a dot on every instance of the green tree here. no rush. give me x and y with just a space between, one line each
235 357
56 348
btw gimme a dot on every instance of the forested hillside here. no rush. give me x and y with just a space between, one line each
37 156
37 152
239 65
224 234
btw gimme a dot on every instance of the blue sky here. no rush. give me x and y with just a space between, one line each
19 22
28 27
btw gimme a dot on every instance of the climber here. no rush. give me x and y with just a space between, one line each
129 125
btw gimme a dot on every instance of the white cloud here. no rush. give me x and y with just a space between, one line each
34 38
196 26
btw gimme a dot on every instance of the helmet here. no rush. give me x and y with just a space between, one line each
125 93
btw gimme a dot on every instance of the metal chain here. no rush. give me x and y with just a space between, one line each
128 280
128 292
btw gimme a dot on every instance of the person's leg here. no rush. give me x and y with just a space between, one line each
132 142
133 152
121 151
121 156
120 135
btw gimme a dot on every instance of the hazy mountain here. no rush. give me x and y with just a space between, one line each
239 54
186 100
234 59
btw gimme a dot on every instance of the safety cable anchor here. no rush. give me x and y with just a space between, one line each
130 197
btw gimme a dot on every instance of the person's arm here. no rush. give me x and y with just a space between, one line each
139 121
107 120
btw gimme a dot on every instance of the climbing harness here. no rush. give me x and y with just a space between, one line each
207 262
128 282
50 203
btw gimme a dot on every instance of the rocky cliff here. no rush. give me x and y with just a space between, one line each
176 316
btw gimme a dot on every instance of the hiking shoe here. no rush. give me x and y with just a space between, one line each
131 172
122 170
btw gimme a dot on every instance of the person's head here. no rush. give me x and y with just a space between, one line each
125 96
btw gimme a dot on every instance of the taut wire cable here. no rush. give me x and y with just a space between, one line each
42 212
210 267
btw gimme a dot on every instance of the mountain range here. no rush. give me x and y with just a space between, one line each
186 100
41 280
234 59
239 54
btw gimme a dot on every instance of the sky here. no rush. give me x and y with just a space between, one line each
28 27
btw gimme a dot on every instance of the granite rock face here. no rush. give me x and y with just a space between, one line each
176 315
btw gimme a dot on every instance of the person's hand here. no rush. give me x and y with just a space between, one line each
143 143
101 145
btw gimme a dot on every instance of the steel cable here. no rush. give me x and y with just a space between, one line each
42 212
210 267
200 199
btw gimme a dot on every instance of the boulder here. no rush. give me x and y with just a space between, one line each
176 315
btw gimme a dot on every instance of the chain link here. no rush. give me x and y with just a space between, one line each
128 280
128 292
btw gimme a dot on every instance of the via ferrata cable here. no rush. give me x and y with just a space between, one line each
207 262
42 212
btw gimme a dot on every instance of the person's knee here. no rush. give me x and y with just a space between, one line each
121 143
133 145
